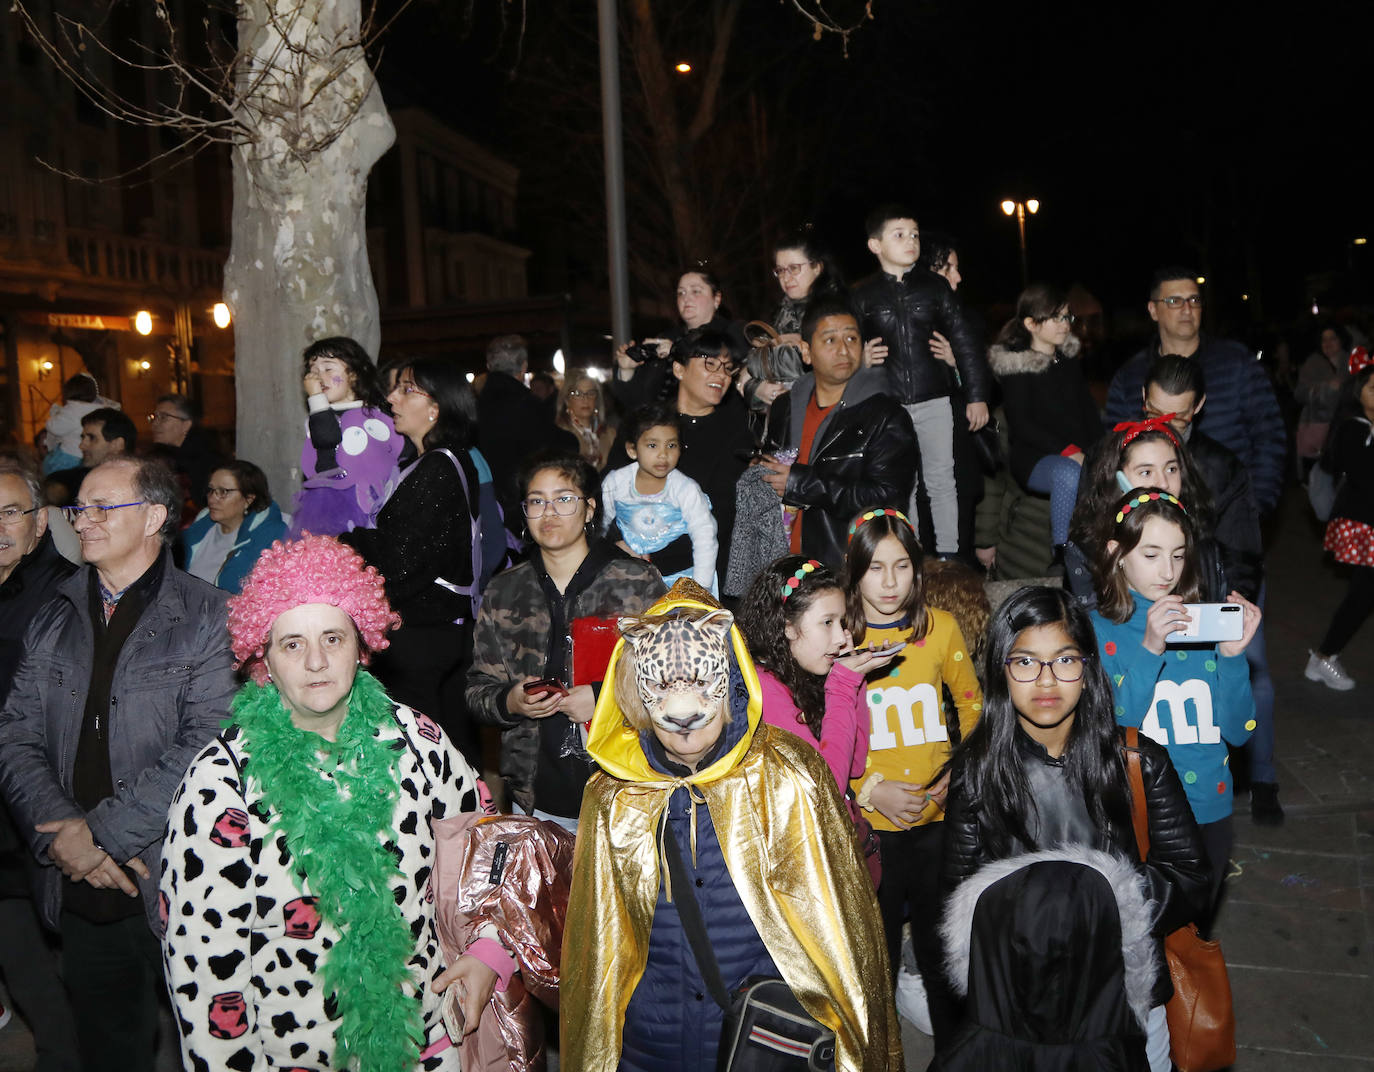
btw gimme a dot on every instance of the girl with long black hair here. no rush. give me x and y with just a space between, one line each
1044 767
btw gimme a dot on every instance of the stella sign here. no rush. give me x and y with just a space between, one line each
85 321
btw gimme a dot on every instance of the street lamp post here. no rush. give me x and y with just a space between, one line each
1019 210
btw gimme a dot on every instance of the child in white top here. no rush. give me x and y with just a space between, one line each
649 504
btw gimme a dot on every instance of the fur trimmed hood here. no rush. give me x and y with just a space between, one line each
1137 914
1006 362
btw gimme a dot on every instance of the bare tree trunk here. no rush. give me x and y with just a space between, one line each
298 268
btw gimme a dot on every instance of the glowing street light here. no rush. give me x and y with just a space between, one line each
220 313
143 322
558 362
683 68
1019 210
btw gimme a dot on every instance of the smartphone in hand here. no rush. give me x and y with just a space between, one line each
545 686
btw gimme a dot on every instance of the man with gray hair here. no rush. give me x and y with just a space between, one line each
126 674
511 422
30 570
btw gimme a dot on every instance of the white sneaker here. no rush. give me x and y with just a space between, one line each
5 1015
911 1000
1329 671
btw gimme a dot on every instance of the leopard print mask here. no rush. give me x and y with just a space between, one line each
681 668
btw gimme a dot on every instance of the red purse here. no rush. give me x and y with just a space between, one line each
593 640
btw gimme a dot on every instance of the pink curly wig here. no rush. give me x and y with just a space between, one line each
313 569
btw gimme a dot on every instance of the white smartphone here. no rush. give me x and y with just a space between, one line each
1211 623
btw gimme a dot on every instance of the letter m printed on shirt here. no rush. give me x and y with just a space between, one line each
1168 721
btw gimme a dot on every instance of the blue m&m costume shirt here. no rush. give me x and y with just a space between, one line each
1193 700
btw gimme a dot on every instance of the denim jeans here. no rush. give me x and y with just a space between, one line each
1261 744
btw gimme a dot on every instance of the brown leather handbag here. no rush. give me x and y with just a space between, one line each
1202 1020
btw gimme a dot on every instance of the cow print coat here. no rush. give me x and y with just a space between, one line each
242 942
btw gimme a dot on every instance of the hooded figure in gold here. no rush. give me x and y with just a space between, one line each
766 841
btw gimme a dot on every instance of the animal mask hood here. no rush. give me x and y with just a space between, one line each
615 744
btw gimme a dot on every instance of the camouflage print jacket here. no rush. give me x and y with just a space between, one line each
512 642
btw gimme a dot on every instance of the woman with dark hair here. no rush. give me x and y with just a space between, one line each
239 522
1318 391
1045 768
1350 532
1139 454
427 544
351 446
1051 416
804 269
522 679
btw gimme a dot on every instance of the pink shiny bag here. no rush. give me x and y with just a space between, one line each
512 871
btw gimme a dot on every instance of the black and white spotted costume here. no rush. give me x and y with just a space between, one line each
242 941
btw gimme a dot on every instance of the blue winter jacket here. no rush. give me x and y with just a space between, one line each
671 1021
1193 700
1241 411
255 535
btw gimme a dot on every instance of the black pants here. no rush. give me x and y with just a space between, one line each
113 973
29 965
1352 612
426 668
1218 839
911 877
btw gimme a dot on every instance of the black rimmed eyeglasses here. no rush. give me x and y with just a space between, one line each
1065 668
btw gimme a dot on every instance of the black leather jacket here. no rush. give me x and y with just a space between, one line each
864 455
903 312
1177 874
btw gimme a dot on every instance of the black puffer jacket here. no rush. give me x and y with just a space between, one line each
864 455
1177 874
1240 548
903 312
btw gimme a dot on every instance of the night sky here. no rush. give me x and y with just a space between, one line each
1210 134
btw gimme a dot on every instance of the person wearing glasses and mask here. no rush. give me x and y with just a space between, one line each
1052 419
523 636
427 544
176 431
1242 412
241 521
126 675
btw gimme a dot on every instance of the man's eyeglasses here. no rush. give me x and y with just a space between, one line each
160 416
563 506
1175 301
716 364
12 514
791 271
1065 668
94 513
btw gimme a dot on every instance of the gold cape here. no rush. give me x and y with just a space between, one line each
790 848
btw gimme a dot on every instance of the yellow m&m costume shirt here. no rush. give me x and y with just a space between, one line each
909 738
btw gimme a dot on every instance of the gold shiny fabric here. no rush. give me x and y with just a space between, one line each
788 843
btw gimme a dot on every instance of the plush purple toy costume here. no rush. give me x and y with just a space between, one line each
349 455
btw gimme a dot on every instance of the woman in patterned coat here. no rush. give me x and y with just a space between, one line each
299 916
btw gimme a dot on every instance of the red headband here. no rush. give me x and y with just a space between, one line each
1359 359
1152 424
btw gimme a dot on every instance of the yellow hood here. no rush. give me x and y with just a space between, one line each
616 746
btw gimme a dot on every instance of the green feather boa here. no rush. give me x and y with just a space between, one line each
334 801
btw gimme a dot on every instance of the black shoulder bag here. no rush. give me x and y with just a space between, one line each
765 1028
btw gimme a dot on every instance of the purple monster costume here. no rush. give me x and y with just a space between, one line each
349 455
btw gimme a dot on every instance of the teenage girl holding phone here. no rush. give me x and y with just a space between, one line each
810 671
909 735
1193 698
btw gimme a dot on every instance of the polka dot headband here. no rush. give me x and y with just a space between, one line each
1142 499
871 514
794 582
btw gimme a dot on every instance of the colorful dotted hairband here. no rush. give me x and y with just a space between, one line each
871 514
794 582
1141 500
